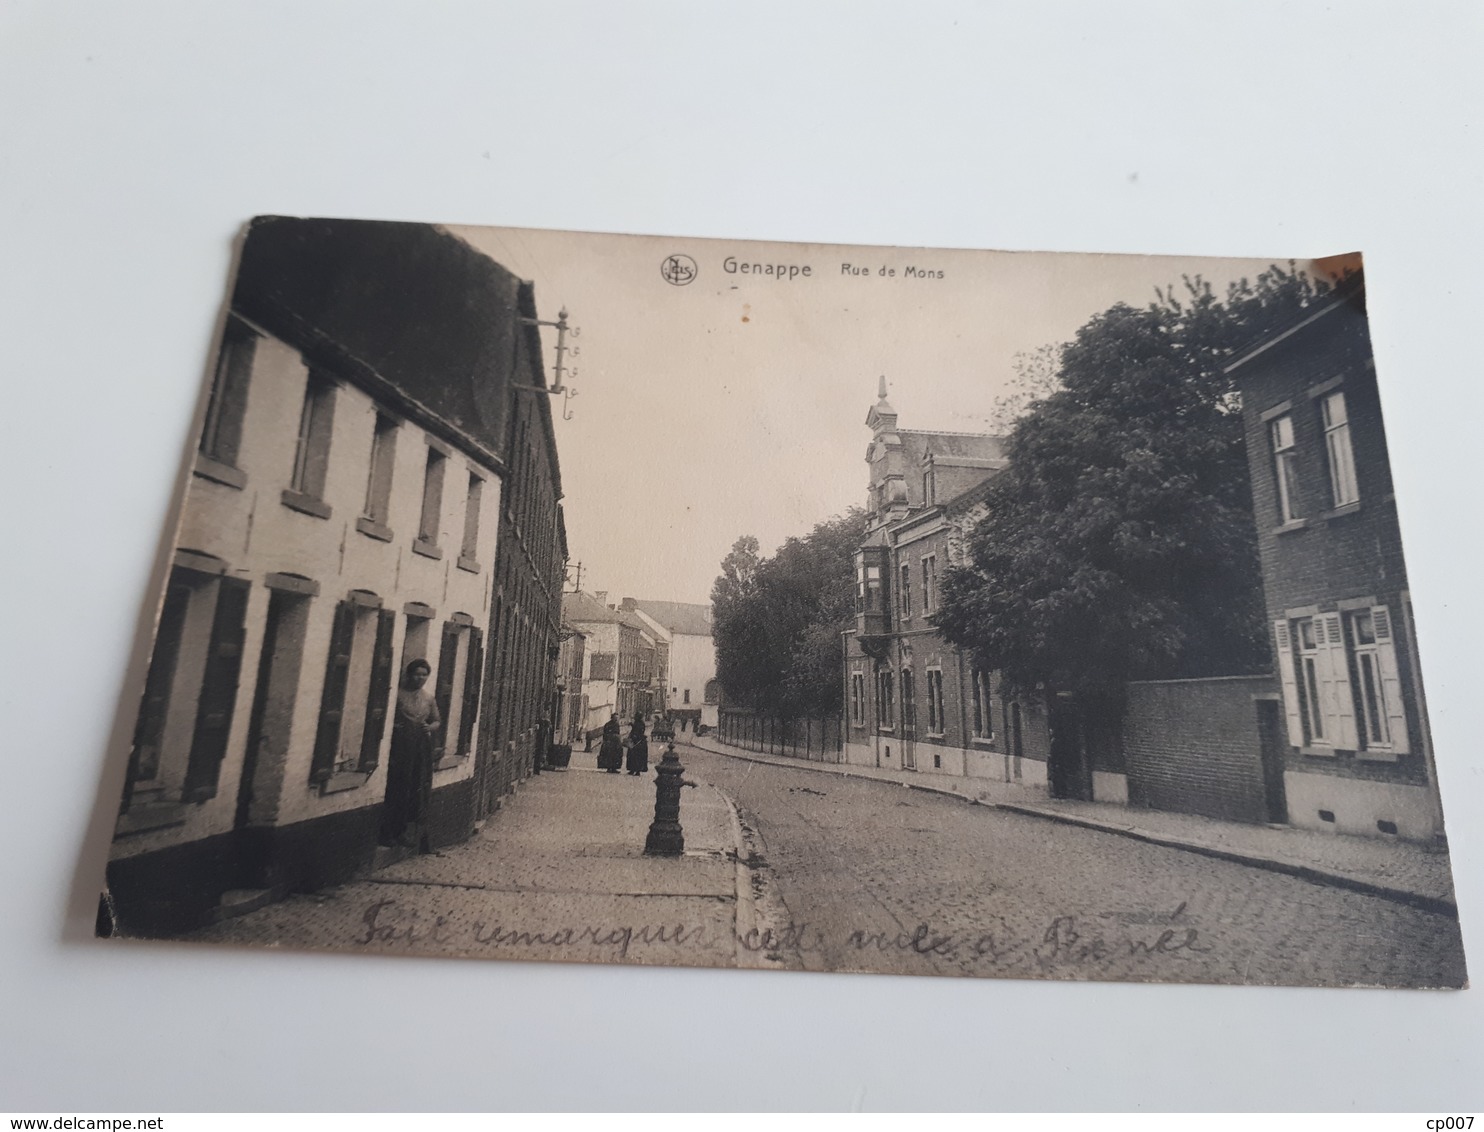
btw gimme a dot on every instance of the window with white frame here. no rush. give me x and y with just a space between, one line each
1343 486
1285 468
379 474
935 701
1314 668
885 709
929 583
430 522
858 698
1383 723
983 713
909 698
905 591
221 433
312 452
1309 636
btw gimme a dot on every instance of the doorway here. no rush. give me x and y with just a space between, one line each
269 728
1068 772
1270 747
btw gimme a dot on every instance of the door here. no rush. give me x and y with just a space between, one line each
1017 748
1271 746
1069 774
909 720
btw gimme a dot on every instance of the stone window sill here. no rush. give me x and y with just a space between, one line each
886 730
1318 752
1289 527
305 504
469 564
935 736
426 549
1343 509
987 744
148 816
218 472
370 527
450 762
343 780
1377 755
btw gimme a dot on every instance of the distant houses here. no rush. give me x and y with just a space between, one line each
686 661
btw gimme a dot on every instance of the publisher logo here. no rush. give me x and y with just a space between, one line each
678 270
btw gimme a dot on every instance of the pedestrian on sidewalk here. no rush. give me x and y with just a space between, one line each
610 754
638 747
409 772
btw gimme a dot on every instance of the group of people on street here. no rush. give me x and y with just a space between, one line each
612 754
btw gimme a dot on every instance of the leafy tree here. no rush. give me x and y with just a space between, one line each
1037 375
777 621
1118 543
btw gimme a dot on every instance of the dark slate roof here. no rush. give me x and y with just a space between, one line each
685 618
427 323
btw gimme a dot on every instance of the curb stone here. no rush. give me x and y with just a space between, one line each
1438 905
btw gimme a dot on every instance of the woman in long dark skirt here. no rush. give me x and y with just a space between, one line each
638 747
610 754
409 772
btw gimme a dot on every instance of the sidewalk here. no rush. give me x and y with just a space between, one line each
1396 870
558 872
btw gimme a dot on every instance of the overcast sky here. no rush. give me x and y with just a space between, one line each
736 404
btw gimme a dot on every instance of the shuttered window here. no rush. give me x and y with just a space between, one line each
379 691
218 691
1315 672
473 682
1383 722
448 662
332 698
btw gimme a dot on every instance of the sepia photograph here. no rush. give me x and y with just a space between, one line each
556 596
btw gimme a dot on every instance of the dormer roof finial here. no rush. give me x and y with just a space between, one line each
881 390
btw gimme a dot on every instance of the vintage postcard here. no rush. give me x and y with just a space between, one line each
560 596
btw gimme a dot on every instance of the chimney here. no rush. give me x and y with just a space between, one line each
602 596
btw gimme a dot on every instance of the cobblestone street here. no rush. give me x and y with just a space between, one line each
821 872
877 877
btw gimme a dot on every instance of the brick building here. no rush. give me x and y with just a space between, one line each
1357 753
344 516
912 700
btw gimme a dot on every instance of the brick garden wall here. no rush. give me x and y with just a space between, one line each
1192 746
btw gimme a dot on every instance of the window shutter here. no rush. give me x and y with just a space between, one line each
472 673
1391 681
378 692
448 655
1335 695
218 691
1290 684
149 731
332 700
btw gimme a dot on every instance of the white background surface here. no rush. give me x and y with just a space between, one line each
135 138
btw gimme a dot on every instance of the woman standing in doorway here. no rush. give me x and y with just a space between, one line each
409 772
